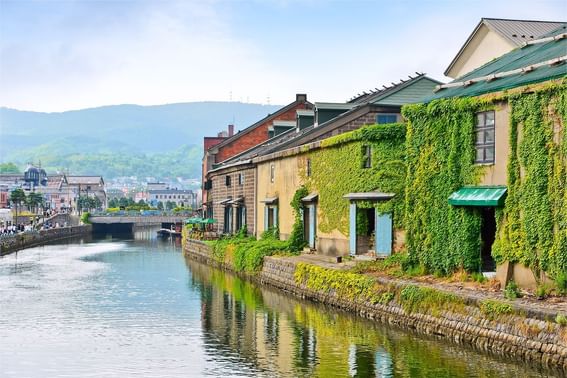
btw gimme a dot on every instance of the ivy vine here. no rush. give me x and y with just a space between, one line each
532 227
336 171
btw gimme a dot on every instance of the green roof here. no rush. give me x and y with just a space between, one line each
528 55
479 196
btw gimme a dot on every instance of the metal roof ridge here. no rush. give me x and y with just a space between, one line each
525 69
387 89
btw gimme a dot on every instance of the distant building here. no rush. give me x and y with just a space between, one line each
157 186
87 186
141 196
34 177
4 194
57 193
181 198
115 193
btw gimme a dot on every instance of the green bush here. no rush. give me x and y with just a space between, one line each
85 217
561 282
512 291
492 309
561 320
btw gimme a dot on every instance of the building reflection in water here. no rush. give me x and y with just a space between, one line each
279 335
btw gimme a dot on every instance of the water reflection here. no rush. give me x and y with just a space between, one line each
276 333
131 305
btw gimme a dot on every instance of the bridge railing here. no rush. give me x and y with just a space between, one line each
142 213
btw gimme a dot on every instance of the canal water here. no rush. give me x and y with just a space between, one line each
134 306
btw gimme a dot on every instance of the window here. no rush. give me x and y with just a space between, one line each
484 139
227 180
241 179
366 156
386 118
308 167
272 172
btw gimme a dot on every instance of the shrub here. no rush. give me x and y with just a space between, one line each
492 309
478 277
512 291
561 320
85 217
561 282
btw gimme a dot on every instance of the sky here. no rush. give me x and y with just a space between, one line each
64 55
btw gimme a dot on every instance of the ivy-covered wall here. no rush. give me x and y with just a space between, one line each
440 155
337 169
532 227
533 224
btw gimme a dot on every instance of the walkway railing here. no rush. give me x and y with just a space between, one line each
142 213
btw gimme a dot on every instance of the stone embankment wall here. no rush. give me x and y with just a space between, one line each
520 335
9 244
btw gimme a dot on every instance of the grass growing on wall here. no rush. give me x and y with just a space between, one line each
337 169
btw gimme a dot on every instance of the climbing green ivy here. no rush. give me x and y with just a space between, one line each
296 239
440 155
337 169
532 227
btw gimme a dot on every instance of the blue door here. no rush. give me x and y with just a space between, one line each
352 229
312 217
383 234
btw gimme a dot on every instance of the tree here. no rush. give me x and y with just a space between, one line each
123 202
160 205
17 197
9 168
96 202
113 203
34 201
169 205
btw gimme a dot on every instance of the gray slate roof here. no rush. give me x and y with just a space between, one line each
520 31
516 32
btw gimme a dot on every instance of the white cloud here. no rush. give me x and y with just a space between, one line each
175 51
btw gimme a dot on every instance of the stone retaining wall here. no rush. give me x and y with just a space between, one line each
519 336
27 240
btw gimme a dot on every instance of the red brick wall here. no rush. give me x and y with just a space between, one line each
256 136
209 142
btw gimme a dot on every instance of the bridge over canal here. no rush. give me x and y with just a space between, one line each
125 221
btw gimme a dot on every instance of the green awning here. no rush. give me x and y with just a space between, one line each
479 196
193 220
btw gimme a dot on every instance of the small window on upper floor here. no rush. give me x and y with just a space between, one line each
227 180
366 156
241 179
308 168
272 172
386 118
484 137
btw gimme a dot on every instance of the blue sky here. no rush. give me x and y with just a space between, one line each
62 55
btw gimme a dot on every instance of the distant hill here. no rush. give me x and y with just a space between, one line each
122 139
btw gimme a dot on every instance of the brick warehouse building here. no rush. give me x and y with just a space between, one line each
227 197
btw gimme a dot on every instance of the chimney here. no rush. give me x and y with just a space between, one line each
301 97
230 130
